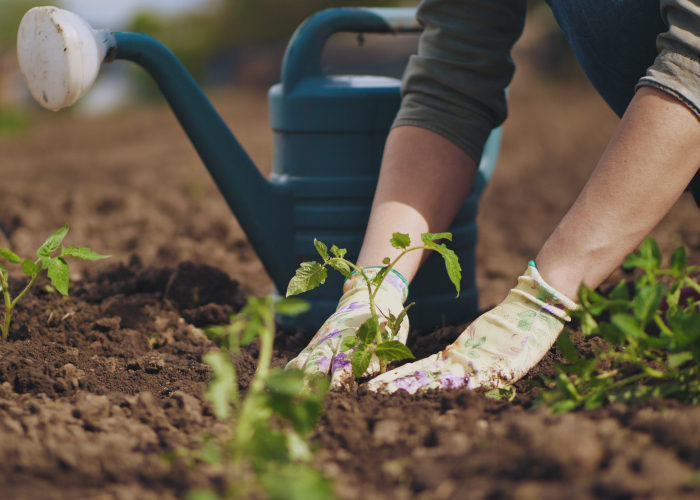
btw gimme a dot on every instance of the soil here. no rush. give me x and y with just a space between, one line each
101 392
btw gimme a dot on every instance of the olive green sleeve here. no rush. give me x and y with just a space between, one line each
676 69
455 85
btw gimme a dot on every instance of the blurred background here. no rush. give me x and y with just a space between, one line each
231 43
118 167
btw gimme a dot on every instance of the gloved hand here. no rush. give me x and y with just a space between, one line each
497 349
323 356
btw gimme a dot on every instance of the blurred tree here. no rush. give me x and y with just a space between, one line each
196 38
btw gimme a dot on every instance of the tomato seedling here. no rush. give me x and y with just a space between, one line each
56 267
653 325
375 337
268 448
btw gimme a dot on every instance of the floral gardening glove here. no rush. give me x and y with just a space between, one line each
497 349
323 355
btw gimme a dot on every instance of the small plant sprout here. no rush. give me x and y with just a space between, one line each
653 328
375 336
268 450
56 267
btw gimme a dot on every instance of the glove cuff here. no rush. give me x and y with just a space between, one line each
533 287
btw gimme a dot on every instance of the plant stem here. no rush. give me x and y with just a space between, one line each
26 289
8 307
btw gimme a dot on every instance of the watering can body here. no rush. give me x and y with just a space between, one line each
329 135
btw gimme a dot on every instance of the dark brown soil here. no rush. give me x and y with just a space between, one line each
101 392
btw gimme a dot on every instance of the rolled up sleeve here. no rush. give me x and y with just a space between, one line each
455 85
677 67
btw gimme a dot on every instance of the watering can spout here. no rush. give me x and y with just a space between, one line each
260 207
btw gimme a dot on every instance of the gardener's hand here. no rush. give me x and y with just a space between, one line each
323 355
497 349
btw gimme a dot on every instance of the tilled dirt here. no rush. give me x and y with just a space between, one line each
101 392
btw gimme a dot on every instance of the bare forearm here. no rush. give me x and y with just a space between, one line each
650 160
423 182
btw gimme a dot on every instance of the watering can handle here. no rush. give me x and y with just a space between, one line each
303 57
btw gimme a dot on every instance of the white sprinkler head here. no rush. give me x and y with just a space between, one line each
60 55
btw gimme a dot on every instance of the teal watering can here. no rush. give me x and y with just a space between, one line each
329 134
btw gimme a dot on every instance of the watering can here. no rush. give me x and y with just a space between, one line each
329 134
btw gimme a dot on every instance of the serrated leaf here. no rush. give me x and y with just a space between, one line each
292 306
342 266
10 256
400 240
360 360
454 270
322 249
393 351
338 252
223 388
52 243
368 330
59 275
81 253
431 237
308 276
29 268
348 343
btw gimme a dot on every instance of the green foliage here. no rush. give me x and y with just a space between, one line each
56 267
268 449
375 337
653 326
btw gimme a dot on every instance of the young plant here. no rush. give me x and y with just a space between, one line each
56 267
654 331
375 336
268 449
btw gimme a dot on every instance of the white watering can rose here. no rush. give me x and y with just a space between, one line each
60 55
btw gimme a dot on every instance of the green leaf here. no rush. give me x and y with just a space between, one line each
647 301
567 348
342 266
361 359
252 330
53 242
322 249
59 275
223 388
392 350
368 330
338 252
399 319
678 259
430 237
677 359
29 268
292 306
380 276
627 324
295 481
285 382
454 270
400 240
386 261
9 255
348 343
308 276
82 253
